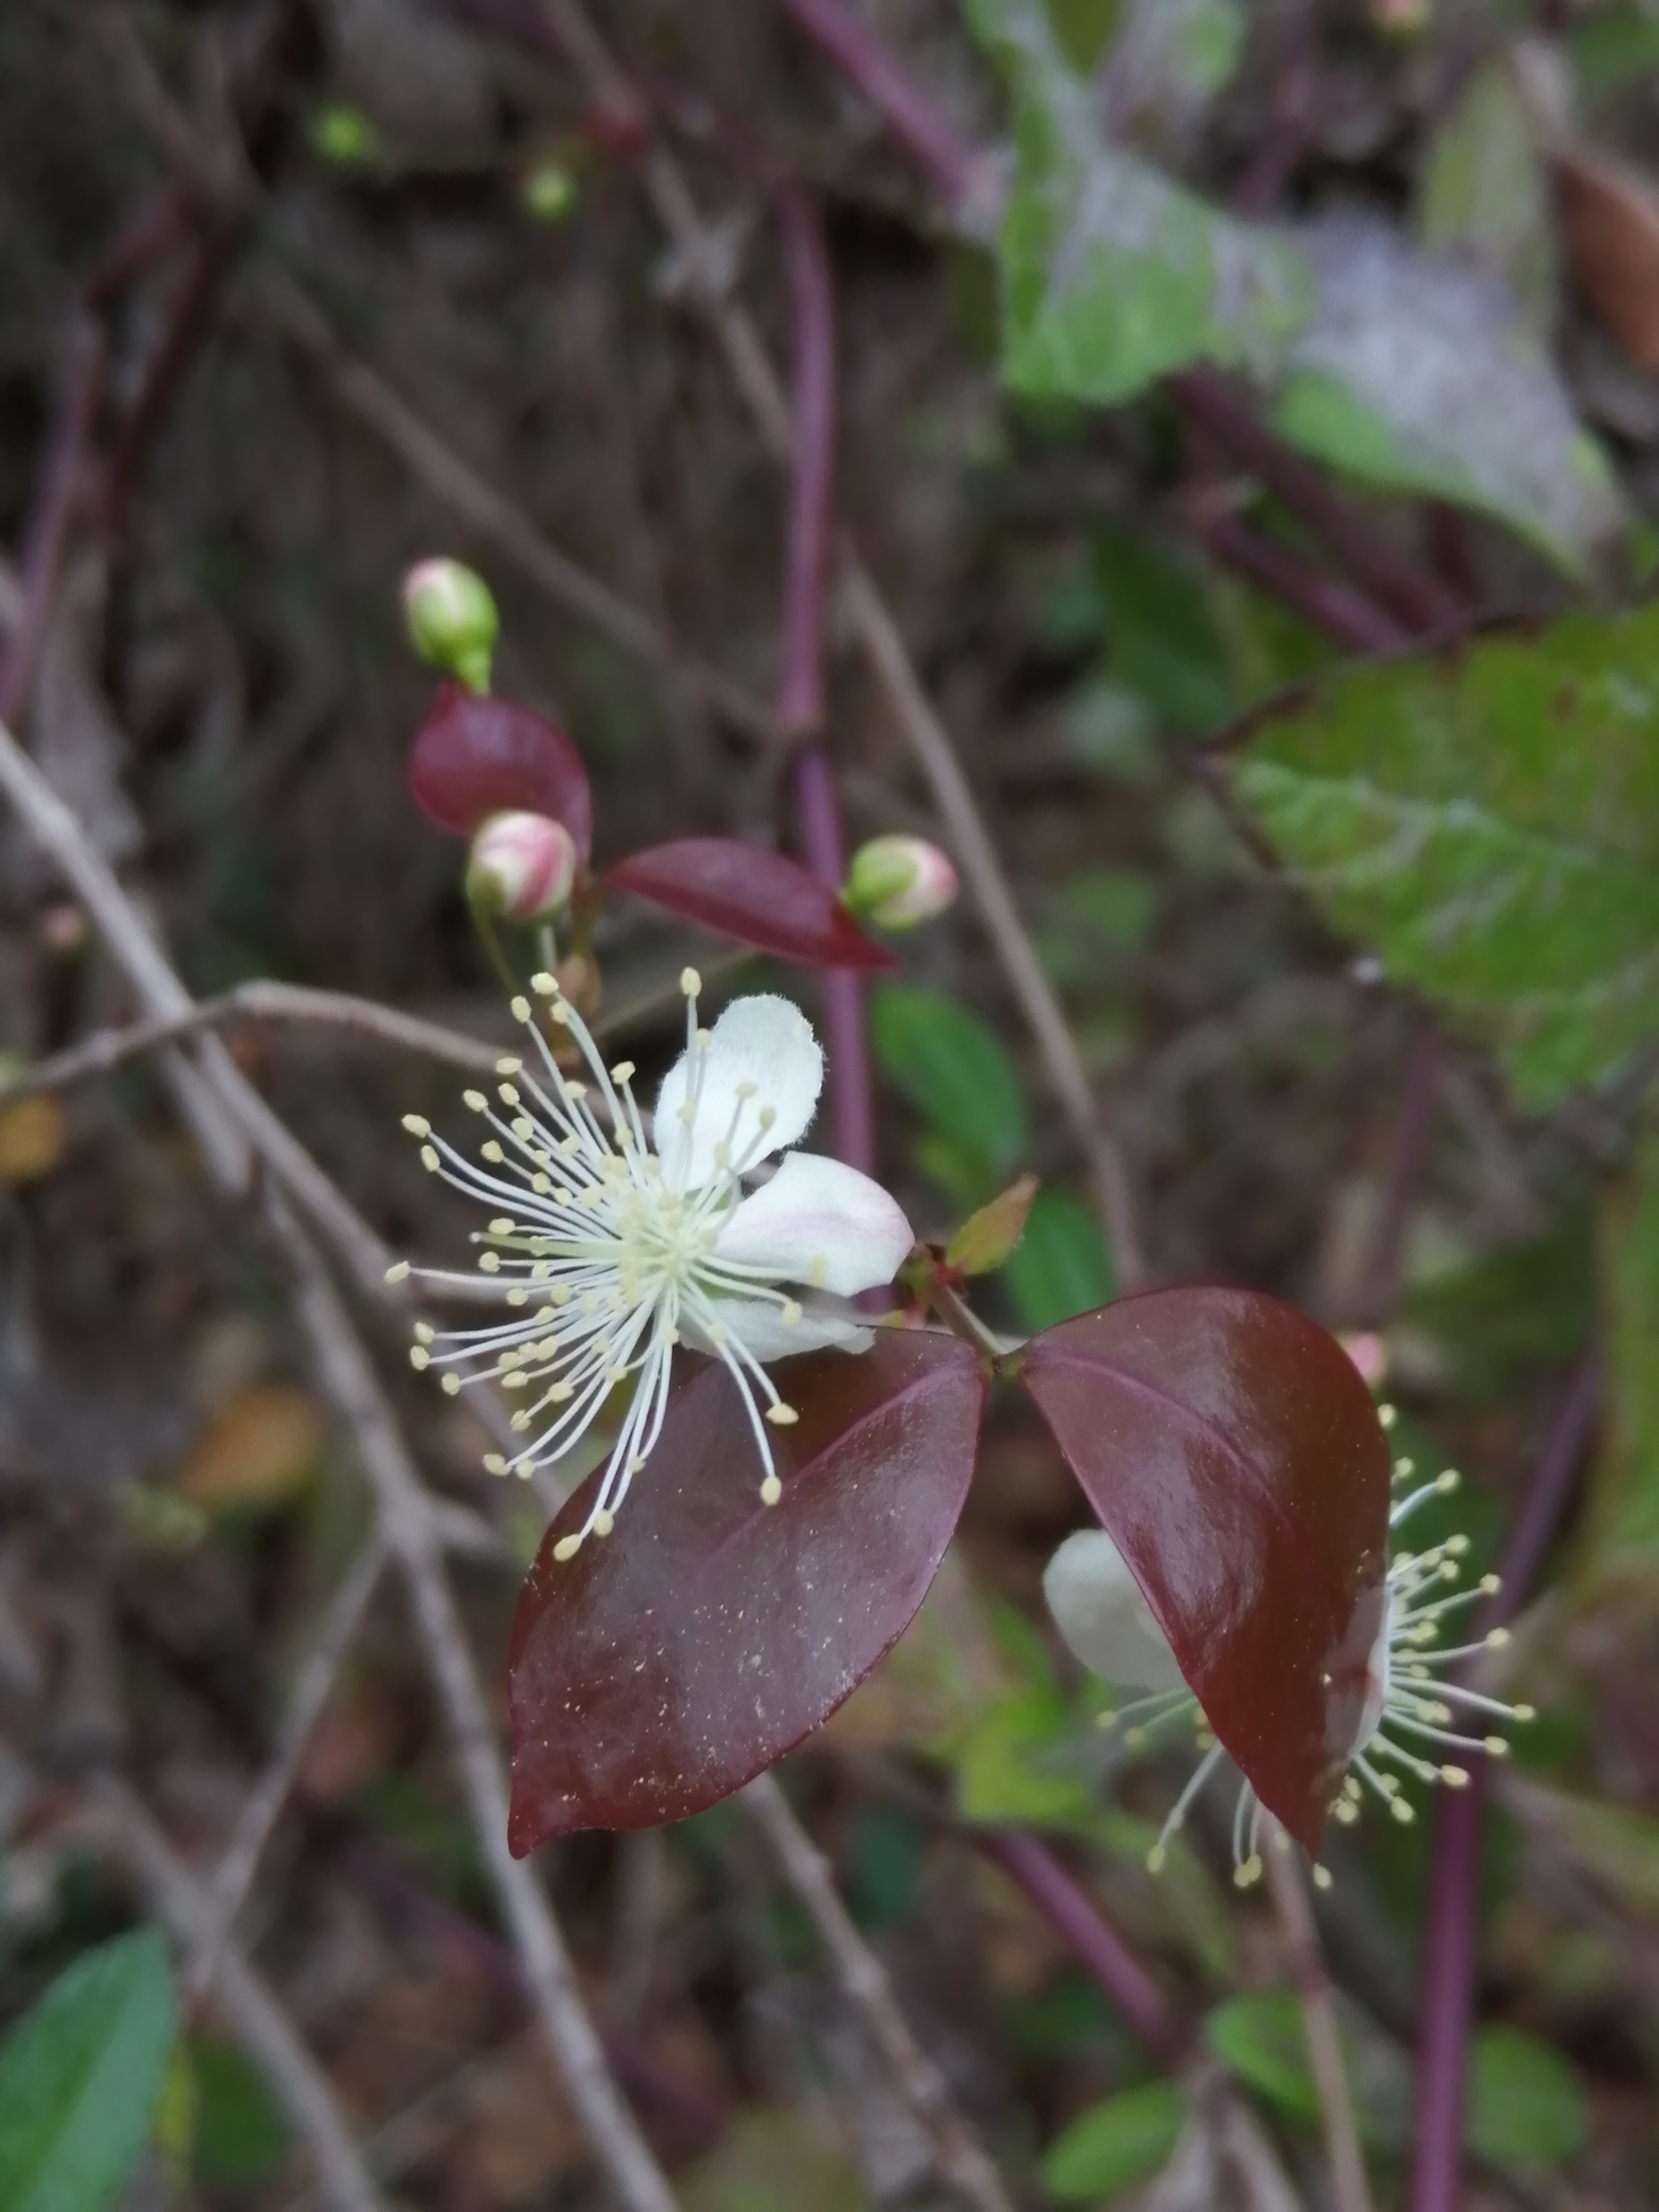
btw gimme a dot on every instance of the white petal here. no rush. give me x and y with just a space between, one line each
1099 1609
765 1041
759 1328
820 1223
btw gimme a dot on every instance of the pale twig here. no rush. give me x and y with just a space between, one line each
257 1001
1350 2192
494 519
410 1526
234 1875
883 648
350 1381
259 2020
961 2161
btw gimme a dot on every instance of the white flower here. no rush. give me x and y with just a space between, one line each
613 1251
1410 1708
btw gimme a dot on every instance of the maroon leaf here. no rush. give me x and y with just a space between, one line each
760 897
669 1663
477 756
1234 1458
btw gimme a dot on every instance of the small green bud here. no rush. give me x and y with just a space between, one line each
452 621
549 192
345 135
897 881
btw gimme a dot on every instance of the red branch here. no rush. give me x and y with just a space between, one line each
1345 616
1449 1945
910 114
186 327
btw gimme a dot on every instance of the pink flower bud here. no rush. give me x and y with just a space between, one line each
897 882
521 867
452 618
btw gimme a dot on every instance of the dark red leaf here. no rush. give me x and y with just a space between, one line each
669 1663
477 756
1234 1458
760 897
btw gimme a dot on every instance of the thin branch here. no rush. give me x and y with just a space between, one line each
349 1379
1027 1860
233 1876
1350 2192
256 1001
498 522
53 506
259 2020
864 1980
1413 1125
1345 616
187 326
801 677
1447 2006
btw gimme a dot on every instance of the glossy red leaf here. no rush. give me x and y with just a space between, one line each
1235 1457
760 897
477 756
667 1664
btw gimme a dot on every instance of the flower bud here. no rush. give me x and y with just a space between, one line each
521 867
897 882
549 192
452 618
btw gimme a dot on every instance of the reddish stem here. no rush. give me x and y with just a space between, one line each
155 227
59 482
185 329
1407 592
1419 1099
1449 1938
800 700
1345 616
914 120
1097 1946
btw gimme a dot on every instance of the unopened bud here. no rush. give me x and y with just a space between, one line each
452 618
521 867
549 192
897 882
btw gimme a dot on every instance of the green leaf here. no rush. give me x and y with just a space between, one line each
1021 1762
1163 640
1624 1521
1488 824
1259 2040
1416 371
951 1067
1119 2141
1112 275
1169 59
81 2075
1486 186
1505 1316
987 1238
242 2136
1061 1266
1613 52
1524 2105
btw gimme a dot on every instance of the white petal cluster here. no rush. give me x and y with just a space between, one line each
1412 1708
612 1247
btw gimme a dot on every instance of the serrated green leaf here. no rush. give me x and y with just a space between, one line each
1416 371
1488 824
1486 187
81 2075
1112 275
954 1068
1524 2105
1116 2143
1061 1266
1624 1520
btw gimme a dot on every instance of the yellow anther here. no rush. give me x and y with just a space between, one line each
493 1152
398 1272
1490 1586
817 1268
771 1490
508 1093
566 1548
791 1312
490 1262
520 1422
1245 1876
1321 1877
502 1226
1402 1468
424 1331
518 1297
604 1522
509 1064
623 1072
1454 1777
428 1160
1524 1713
1497 1747
419 1358
417 1124
1401 1811
781 1416
451 1386
544 984
1496 1637
1387 1415
476 1100
520 1010
767 1117
1156 1859
493 1464
1447 1481
690 982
